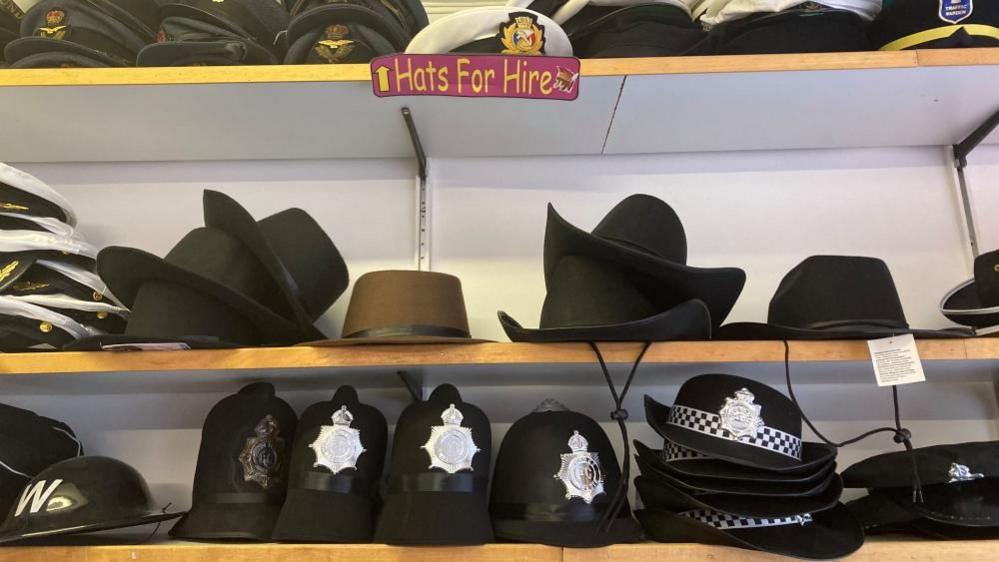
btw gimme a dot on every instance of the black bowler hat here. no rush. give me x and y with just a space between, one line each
29 443
437 482
242 472
834 297
812 29
741 421
336 466
644 234
82 495
825 535
555 478
960 482
976 301
653 466
644 30
23 194
935 24
186 41
593 300
83 28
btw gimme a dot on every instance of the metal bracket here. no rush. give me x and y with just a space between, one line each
961 152
423 198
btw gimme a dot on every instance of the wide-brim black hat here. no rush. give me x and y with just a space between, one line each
644 30
831 534
963 306
616 241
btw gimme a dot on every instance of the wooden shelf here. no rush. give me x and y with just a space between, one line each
873 551
626 106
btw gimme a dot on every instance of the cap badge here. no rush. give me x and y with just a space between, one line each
956 11
339 445
28 286
522 35
580 471
739 416
334 48
451 446
53 29
961 473
12 207
261 456
8 269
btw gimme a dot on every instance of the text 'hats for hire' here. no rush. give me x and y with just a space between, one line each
439 474
242 470
495 30
555 478
336 467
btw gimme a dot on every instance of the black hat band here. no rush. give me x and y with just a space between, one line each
410 330
437 482
547 512
334 483
712 424
727 521
925 36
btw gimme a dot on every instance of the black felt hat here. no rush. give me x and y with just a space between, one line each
742 421
959 482
976 301
594 300
82 495
879 514
259 21
439 475
242 471
934 24
645 30
29 443
23 194
355 31
336 466
825 535
834 297
815 29
187 41
529 505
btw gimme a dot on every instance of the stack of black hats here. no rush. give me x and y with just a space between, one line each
217 32
49 294
234 282
956 495
83 33
734 471
355 31
628 280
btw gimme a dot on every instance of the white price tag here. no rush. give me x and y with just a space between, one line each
896 360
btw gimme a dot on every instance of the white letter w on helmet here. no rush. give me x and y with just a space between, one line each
38 495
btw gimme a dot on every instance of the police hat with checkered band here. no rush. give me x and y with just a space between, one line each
936 24
324 32
493 29
741 421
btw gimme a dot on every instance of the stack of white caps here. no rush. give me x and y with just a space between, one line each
713 12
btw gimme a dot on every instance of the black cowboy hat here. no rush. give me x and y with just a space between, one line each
242 471
529 505
29 443
23 194
825 535
741 421
681 460
644 234
976 301
834 297
933 24
437 482
644 30
811 29
336 465
653 466
82 495
593 300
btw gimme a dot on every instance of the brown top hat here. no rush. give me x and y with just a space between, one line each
405 307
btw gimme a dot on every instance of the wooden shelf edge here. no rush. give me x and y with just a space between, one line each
304 357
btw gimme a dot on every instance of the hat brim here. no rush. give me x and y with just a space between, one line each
209 521
184 53
27 46
106 526
434 518
758 331
962 305
690 320
99 343
318 516
718 288
567 534
396 340
833 533
974 503
126 269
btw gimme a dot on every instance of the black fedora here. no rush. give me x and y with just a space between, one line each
834 297
336 465
593 300
242 471
529 505
297 252
439 475
644 234
742 421
976 301
23 194
82 495
824 535
29 443
653 466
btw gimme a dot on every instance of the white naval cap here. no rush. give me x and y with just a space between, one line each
714 12
28 183
460 29
47 319
32 240
57 302
83 277
573 7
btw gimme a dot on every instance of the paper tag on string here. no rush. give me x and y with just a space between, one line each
896 360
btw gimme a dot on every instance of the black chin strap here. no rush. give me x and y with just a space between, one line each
620 415
901 434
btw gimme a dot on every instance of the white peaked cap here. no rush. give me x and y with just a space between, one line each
466 26
13 306
83 277
573 7
713 12
28 240
29 183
